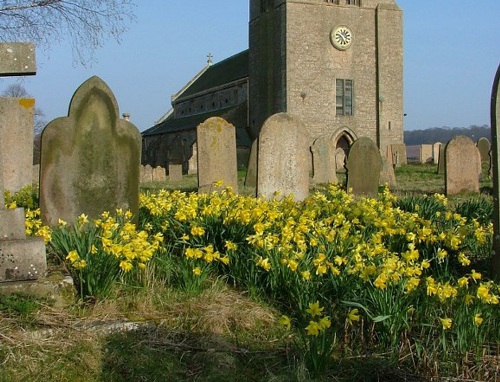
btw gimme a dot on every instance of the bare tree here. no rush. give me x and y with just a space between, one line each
86 23
19 91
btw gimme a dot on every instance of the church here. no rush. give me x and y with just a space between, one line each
336 64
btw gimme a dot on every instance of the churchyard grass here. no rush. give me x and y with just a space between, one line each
333 288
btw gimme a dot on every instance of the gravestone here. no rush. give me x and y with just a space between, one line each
324 163
175 172
283 158
16 147
159 174
387 175
462 164
216 139
340 158
484 147
90 160
146 173
399 154
193 161
441 161
436 150
364 165
426 153
495 135
21 258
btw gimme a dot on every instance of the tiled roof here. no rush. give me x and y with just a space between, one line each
172 124
231 69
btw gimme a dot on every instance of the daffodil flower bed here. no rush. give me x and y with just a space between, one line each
347 273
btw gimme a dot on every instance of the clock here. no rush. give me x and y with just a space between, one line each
341 37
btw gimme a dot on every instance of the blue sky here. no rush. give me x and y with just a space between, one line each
452 51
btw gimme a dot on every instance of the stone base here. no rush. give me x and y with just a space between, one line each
56 288
22 259
12 224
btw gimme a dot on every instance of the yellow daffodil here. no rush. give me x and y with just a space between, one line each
315 309
446 322
353 315
285 321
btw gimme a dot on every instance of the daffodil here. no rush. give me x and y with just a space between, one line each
446 323
285 321
314 309
353 315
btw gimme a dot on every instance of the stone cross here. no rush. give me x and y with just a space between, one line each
495 126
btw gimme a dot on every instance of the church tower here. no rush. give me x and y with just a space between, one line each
336 64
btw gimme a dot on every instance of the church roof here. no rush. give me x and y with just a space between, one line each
224 72
231 114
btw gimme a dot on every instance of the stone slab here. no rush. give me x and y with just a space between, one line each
175 172
17 59
16 144
284 158
22 259
12 224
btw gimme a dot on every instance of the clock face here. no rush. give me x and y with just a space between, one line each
341 37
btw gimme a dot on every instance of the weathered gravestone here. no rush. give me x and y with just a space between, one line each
216 139
16 118
340 157
462 165
364 165
324 164
484 147
441 160
495 135
159 174
175 172
21 258
193 161
387 174
283 157
399 154
436 150
90 160
146 173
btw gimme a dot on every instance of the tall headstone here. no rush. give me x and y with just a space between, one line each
175 172
462 164
441 160
90 160
436 150
399 154
324 163
193 161
21 258
484 146
16 146
283 157
217 161
364 165
16 118
495 135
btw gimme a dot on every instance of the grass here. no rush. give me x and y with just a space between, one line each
216 334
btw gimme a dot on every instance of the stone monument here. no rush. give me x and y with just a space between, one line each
90 160
364 165
21 258
283 157
495 135
216 140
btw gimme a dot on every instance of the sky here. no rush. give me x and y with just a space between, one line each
451 54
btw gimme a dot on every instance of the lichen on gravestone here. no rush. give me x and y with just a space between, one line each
90 160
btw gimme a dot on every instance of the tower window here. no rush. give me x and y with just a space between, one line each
352 2
344 90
